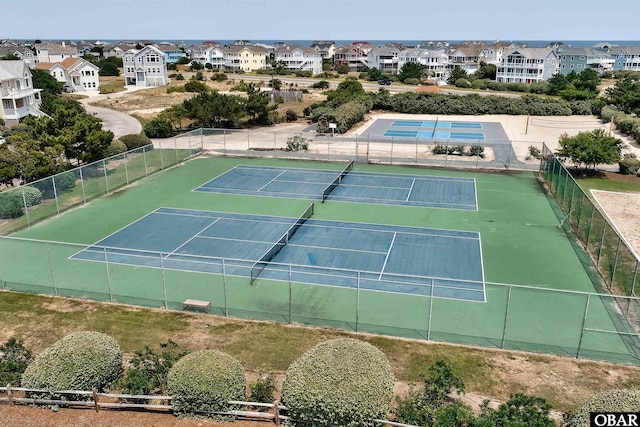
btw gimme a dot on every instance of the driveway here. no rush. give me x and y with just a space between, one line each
115 121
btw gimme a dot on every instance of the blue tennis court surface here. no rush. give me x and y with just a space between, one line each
438 124
409 260
357 187
434 134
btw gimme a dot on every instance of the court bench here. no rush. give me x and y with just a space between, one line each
196 305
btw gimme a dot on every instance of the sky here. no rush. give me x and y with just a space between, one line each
320 19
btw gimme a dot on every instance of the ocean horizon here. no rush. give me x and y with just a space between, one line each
530 43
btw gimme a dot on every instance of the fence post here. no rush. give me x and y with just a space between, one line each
95 399
144 156
635 277
161 158
224 287
506 317
276 412
53 276
248 139
106 180
604 233
357 300
106 264
417 143
24 203
10 394
84 197
584 321
164 283
224 140
126 168
290 294
391 161
586 242
615 263
430 310
175 145
55 193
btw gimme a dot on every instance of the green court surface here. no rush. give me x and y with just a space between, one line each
548 308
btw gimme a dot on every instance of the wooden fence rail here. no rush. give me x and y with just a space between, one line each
93 401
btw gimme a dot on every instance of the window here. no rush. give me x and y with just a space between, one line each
571 66
579 65
572 58
582 57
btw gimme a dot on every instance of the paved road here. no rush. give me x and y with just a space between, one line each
115 121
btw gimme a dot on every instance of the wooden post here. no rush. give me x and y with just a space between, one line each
10 394
276 410
95 399
526 129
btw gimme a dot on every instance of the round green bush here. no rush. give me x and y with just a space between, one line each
32 196
116 147
341 382
133 141
79 361
204 382
606 401
11 204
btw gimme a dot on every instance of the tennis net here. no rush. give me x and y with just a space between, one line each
260 265
337 181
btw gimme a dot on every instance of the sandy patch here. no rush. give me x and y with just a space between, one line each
623 209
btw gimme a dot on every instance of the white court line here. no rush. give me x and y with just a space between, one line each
279 175
228 218
332 248
410 233
410 190
234 240
387 258
484 286
475 194
414 203
192 237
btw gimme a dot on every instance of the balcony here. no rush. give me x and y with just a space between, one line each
18 94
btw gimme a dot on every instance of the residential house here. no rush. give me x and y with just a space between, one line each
245 58
117 50
435 61
18 98
145 67
299 58
55 52
625 57
385 57
207 54
326 48
468 56
27 55
527 65
354 55
580 59
77 74
172 53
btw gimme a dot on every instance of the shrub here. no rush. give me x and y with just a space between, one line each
607 113
149 369
297 143
133 141
479 84
171 89
32 196
79 361
629 164
463 83
519 410
345 115
116 147
14 359
205 381
606 401
179 76
581 108
534 152
263 389
195 86
341 382
440 149
157 128
11 204
219 77
290 116
411 81
476 151
322 84
65 181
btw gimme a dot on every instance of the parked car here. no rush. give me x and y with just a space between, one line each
67 89
384 82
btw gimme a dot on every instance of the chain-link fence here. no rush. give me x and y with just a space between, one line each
58 193
568 323
363 148
616 262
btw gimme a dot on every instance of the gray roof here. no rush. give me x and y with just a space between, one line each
10 70
578 51
57 48
532 52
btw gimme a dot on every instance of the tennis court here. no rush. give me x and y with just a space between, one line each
346 186
405 260
438 124
435 134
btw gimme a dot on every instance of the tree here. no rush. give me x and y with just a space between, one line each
486 71
174 115
212 109
14 359
411 70
557 82
196 66
456 73
276 84
625 95
257 104
108 68
590 148
9 57
342 69
346 91
45 81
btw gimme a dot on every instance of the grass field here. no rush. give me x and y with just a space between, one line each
522 244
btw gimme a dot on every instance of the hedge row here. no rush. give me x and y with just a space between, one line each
344 116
